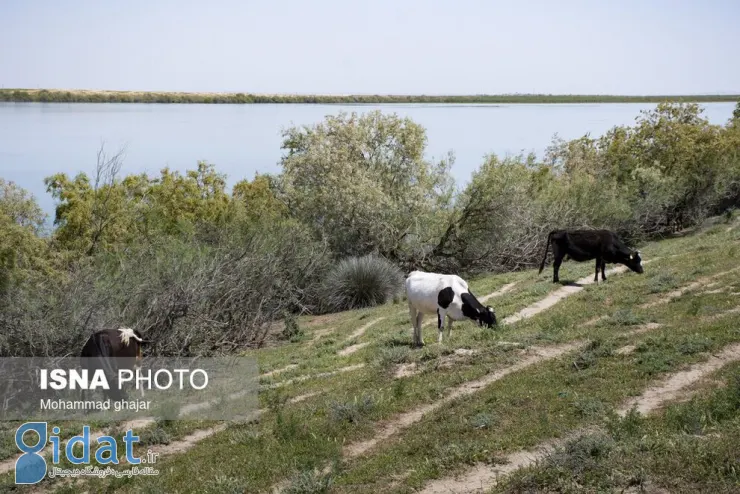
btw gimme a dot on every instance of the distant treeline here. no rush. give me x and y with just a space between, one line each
84 96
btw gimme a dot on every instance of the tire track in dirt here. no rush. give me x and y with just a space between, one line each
481 478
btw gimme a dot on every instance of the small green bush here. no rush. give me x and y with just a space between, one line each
291 331
357 282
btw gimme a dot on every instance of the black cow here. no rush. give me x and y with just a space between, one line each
584 245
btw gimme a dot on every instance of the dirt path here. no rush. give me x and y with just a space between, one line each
321 332
691 286
361 331
504 289
313 376
670 389
352 349
481 478
405 420
279 371
556 296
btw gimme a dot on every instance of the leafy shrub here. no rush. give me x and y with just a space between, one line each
291 329
357 282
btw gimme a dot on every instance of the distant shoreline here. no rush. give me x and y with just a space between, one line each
103 96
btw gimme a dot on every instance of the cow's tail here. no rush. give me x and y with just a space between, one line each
547 247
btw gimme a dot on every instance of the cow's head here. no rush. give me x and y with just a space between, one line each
634 262
487 316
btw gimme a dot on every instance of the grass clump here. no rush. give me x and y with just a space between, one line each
309 482
358 282
155 435
392 355
591 354
351 411
663 283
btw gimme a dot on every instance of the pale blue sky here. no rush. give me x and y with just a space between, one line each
381 46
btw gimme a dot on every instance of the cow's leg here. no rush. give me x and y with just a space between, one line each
603 266
598 265
420 336
414 326
441 314
557 261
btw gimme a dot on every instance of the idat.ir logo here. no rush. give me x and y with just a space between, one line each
32 437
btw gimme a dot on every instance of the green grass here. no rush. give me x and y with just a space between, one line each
92 96
292 443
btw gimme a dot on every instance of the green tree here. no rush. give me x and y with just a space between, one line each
108 213
363 183
23 252
259 199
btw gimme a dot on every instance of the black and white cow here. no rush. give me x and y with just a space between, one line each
584 245
446 295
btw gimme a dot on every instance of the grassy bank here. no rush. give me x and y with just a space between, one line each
547 400
102 96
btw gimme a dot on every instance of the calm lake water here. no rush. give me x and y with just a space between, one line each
39 139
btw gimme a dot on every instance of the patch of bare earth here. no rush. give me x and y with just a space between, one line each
504 289
406 370
361 330
279 371
392 427
321 332
352 349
